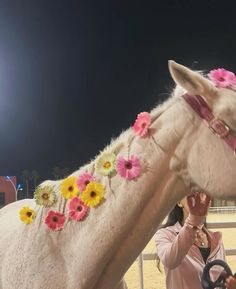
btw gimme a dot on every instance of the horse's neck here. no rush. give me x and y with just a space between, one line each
170 190
119 230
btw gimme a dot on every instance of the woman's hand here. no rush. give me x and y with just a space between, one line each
230 283
198 204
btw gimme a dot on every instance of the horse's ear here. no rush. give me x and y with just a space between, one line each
191 81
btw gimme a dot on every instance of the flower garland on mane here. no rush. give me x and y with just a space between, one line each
84 192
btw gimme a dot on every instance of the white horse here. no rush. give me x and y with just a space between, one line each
180 154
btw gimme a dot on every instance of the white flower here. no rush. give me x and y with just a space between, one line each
45 196
105 165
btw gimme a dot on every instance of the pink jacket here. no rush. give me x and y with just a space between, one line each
182 260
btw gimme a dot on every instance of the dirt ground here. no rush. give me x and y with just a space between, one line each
153 279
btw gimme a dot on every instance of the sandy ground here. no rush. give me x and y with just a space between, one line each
153 279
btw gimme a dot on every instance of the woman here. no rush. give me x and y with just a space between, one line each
184 244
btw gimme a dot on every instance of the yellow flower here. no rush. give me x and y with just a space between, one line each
93 194
105 165
45 196
69 188
27 215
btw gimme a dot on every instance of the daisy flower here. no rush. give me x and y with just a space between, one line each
222 77
142 124
77 209
45 196
93 194
69 188
83 180
27 215
128 169
105 165
55 220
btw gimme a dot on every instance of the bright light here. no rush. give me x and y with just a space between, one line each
19 187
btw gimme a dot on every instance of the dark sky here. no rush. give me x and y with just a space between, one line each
73 74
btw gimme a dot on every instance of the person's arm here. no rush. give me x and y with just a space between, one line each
222 247
172 251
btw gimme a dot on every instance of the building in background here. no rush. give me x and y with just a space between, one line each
7 190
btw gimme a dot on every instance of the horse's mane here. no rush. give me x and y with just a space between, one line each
118 143
122 142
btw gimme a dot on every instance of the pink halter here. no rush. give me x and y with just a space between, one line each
217 126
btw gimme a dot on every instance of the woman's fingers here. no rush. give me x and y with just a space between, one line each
198 203
191 201
230 282
201 198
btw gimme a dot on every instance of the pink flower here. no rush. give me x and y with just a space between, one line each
128 169
55 220
222 77
83 180
142 124
77 209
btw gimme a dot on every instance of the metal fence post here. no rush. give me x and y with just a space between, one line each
140 266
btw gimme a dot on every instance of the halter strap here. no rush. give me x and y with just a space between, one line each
216 125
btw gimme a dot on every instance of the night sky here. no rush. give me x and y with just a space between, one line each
74 74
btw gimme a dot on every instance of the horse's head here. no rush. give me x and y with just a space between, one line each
211 158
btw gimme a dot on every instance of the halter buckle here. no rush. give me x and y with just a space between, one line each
218 127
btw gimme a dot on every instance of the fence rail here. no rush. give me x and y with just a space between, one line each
226 209
221 225
152 256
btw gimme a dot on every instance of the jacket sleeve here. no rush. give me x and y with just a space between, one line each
222 248
172 249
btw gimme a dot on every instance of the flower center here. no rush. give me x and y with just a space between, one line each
79 208
86 182
45 196
143 125
29 214
55 219
221 79
107 165
128 165
93 194
70 188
